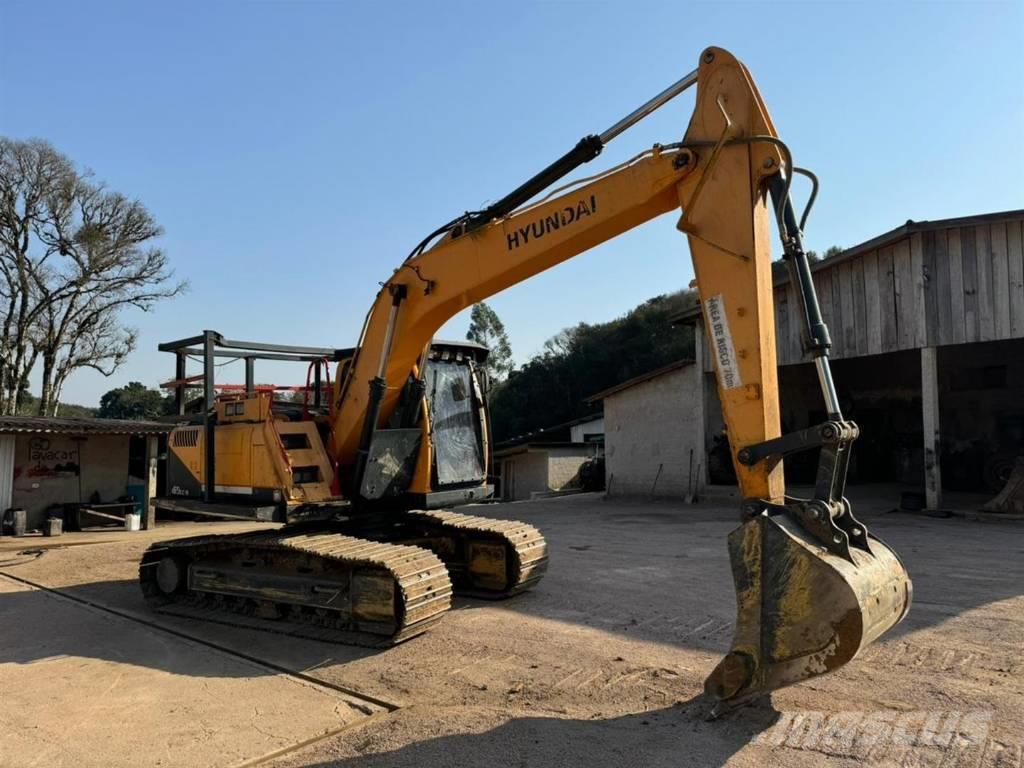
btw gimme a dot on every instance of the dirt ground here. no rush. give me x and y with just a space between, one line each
601 665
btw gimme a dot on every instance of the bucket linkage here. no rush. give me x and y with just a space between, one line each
813 586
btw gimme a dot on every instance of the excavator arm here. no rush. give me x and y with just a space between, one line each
813 586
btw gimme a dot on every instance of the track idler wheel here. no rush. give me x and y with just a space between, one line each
802 610
170 575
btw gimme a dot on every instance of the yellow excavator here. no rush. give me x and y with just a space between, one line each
368 554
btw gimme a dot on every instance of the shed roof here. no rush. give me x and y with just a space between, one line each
639 380
548 435
540 447
55 426
880 241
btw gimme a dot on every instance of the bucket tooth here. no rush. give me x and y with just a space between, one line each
802 611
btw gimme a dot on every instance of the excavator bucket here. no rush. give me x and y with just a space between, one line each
802 611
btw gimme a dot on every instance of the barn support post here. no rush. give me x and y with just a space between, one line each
152 450
930 423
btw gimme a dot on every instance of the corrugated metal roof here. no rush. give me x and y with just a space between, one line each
515 450
47 425
537 436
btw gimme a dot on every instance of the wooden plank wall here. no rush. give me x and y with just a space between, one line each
932 288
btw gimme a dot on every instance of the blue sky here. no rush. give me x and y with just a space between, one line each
295 152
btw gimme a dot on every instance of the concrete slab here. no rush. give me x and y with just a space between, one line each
84 688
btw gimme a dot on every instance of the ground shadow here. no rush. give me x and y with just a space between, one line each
670 737
36 624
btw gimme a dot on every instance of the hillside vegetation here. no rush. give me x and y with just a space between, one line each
580 361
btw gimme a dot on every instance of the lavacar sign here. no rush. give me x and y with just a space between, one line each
546 224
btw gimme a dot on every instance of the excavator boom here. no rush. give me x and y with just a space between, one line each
813 585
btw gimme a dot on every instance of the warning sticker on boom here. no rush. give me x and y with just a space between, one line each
721 344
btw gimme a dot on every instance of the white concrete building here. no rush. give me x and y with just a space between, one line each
534 469
654 433
587 430
548 460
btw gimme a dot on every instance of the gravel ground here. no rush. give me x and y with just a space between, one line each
603 663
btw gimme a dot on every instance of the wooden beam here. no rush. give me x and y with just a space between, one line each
931 284
957 308
986 295
968 248
1015 257
844 273
942 292
860 309
1000 280
838 339
958 321
873 297
919 333
930 424
904 281
887 299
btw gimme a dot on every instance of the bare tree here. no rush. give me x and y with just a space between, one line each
30 173
73 255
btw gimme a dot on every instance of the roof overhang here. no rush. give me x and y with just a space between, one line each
42 425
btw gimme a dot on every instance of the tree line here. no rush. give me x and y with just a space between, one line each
580 361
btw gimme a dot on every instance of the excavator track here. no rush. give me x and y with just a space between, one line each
486 558
321 585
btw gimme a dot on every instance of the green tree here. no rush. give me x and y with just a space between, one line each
485 327
134 401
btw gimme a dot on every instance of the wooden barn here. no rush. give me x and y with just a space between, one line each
927 325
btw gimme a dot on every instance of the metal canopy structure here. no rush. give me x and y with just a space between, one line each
210 345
